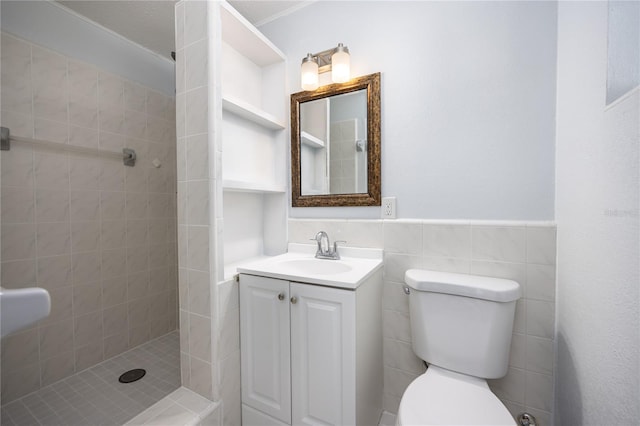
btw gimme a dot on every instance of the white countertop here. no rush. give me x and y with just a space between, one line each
353 268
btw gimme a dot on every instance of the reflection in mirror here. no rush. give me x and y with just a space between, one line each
333 140
336 144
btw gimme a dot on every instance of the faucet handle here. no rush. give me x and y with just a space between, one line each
334 253
335 245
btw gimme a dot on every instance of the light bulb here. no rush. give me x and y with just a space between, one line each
340 64
309 73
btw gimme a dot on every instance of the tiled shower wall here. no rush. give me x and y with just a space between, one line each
99 236
196 225
523 251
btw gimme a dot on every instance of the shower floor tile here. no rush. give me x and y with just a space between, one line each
95 397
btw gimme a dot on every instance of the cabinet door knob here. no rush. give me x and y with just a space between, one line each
281 296
294 300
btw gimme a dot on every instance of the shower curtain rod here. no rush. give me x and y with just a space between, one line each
128 155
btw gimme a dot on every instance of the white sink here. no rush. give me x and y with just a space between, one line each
300 264
22 307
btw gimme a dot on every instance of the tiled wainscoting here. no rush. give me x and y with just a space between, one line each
99 236
523 251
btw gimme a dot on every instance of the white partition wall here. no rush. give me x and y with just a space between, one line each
232 113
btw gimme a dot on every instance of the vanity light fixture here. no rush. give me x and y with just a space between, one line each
336 60
309 73
340 64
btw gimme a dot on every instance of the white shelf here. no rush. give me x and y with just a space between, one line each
244 186
311 141
246 39
251 113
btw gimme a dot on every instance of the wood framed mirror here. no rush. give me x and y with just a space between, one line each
335 144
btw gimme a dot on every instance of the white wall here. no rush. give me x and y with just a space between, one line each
468 95
597 196
51 25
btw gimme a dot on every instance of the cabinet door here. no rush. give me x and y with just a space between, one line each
323 347
265 345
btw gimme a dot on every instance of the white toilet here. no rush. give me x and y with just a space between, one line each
461 326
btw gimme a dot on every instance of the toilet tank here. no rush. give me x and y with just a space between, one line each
462 322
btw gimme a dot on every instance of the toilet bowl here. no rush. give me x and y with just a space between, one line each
461 325
442 397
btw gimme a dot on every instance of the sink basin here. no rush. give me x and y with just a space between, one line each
300 264
22 307
315 266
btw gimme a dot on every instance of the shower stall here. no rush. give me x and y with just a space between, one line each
97 234
110 242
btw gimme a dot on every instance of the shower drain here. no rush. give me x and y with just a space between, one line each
132 375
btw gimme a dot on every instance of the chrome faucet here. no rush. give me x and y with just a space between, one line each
324 250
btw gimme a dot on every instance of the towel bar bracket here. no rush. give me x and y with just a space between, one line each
5 143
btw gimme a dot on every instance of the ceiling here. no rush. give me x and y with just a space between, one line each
149 23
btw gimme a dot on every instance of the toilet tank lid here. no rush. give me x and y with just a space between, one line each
476 286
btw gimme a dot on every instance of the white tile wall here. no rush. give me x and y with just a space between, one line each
521 251
196 242
98 235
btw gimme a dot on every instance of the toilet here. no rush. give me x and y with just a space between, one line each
461 326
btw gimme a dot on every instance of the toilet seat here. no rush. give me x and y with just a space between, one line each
442 397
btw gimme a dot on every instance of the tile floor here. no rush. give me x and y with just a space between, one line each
95 397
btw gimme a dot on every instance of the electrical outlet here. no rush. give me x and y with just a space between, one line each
389 208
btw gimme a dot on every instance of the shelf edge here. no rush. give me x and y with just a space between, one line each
251 113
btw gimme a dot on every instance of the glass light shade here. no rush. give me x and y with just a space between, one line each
340 65
309 73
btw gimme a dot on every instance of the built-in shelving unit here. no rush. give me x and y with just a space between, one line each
254 142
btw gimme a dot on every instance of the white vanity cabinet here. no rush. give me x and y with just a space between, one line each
265 346
310 354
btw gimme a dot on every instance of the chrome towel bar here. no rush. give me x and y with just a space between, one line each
128 155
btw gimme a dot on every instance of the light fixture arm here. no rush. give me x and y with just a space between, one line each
324 58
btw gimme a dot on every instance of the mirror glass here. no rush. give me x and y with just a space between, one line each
336 144
333 151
